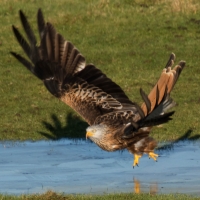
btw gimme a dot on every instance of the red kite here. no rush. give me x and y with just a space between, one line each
115 121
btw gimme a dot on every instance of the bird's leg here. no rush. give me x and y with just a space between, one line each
153 155
136 159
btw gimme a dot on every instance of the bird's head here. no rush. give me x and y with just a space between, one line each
95 132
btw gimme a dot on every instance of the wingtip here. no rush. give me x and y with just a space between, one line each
41 23
12 53
171 60
182 63
15 31
39 11
13 27
173 56
21 14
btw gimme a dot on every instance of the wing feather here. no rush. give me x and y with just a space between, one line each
22 42
154 109
25 62
63 69
65 74
95 77
41 23
27 29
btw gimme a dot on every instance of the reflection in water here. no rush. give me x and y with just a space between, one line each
153 188
136 186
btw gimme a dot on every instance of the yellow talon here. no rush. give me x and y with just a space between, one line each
136 159
153 155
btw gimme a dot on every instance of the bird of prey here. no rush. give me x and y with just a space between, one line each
115 122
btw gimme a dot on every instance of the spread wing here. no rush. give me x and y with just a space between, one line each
65 74
153 111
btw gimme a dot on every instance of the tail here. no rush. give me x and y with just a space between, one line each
159 101
54 60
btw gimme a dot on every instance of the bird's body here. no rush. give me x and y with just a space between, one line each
115 121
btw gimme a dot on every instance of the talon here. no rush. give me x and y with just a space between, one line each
153 156
136 159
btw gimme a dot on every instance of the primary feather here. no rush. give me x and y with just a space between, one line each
115 121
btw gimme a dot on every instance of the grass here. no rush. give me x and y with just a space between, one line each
55 196
128 40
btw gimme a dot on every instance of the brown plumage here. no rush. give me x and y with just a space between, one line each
115 121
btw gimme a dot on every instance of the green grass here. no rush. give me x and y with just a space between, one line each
55 196
128 40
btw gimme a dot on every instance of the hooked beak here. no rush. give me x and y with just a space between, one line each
89 134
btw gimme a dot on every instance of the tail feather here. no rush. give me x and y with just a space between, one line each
157 120
171 60
146 100
162 108
161 91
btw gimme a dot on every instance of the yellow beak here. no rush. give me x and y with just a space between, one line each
89 134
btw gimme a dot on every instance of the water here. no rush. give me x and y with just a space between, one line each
82 167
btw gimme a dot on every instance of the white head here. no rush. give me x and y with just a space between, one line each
95 132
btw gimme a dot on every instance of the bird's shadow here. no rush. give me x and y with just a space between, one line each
74 128
185 137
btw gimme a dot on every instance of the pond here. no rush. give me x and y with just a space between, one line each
80 166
